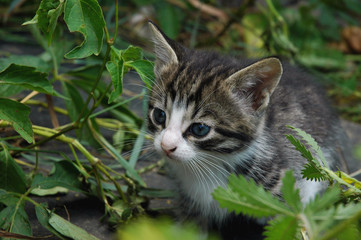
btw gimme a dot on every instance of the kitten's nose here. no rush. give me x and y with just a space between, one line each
168 149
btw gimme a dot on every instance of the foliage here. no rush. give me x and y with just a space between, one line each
159 229
332 215
83 172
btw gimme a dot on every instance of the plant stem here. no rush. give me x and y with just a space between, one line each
22 196
116 20
91 94
116 184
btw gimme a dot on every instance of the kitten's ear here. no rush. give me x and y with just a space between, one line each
164 48
257 81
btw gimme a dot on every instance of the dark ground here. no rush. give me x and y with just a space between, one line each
87 212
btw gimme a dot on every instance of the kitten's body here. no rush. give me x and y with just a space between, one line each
246 125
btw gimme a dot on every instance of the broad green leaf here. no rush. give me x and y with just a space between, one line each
53 15
12 177
65 175
26 60
13 218
75 101
145 70
290 193
7 198
116 70
10 90
281 228
43 216
68 229
50 191
86 72
248 198
47 16
132 54
26 77
18 115
86 17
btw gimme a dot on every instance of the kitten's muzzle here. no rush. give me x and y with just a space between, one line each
168 149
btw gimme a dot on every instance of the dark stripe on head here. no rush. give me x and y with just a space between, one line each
237 135
210 144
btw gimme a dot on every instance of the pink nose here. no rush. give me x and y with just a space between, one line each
168 149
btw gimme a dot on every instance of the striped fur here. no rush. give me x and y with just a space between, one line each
247 108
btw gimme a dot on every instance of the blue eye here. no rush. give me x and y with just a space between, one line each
199 129
159 116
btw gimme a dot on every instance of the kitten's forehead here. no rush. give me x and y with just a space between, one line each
189 85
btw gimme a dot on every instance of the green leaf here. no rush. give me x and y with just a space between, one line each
301 148
281 228
248 198
51 191
65 175
145 70
12 177
14 219
310 141
160 229
53 15
86 17
43 216
351 232
290 193
26 60
75 101
7 90
132 54
68 229
310 172
7 198
47 16
26 77
324 201
116 70
18 115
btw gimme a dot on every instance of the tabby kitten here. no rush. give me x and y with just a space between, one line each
213 115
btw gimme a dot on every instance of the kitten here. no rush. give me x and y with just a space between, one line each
213 115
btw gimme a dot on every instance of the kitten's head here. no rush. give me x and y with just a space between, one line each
203 103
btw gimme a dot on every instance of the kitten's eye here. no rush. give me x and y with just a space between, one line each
199 129
159 116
